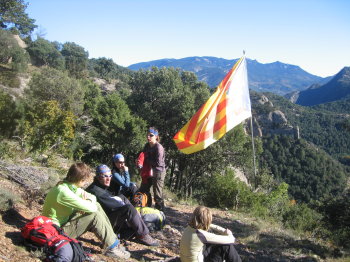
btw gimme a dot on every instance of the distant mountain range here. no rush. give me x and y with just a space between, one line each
277 77
338 88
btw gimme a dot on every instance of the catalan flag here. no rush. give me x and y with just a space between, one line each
226 108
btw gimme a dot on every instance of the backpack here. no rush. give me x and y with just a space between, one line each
139 199
42 233
153 218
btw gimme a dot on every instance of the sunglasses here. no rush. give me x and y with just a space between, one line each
150 135
105 176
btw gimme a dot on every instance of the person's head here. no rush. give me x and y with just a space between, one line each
152 135
201 218
103 175
78 173
119 161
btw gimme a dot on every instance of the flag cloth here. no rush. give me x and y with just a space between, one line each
226 108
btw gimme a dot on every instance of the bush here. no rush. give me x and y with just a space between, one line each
302 218
8 115
47 126
11 53
52 84
226 191
7 199
43 52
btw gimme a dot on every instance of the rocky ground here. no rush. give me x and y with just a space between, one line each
255 241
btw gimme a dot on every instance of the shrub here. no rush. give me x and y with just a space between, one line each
8 115
7 199
225 190
301 218
46 125
11 53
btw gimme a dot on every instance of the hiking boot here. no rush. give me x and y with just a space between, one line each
118 252
148 240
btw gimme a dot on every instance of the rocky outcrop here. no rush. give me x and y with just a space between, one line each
105 85
268 119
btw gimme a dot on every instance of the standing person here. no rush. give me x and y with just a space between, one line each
117 207
198 245
77 211
121 177
155 157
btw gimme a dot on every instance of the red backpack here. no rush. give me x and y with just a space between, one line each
42 233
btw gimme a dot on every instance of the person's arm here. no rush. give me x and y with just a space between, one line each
126 177
211 238
159 161
107 201
68 198
118 177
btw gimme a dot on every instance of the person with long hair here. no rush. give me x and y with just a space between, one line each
77 211
121 177
155 158
197 244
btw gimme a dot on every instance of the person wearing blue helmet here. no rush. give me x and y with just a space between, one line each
123 216
121 176
76 211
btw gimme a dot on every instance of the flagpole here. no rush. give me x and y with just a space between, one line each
251 128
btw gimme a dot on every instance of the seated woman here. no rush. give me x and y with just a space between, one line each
197 244
121 177
77 211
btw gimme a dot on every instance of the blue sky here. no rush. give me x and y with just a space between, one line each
313 34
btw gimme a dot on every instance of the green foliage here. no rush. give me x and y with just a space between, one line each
7 199
336 213
8 115
46 126
11 53
224 190
45 53
105 68
310 173
114 129
13 17
302 218
76 59
51 84
323 125
9 77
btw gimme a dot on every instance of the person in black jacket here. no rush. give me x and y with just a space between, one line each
118 208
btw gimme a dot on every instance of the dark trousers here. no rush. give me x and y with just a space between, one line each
146 188
219 253
126 217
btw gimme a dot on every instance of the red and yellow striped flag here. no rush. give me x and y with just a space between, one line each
226 108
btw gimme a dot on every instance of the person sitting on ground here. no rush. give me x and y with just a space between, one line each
118 208
121 176
77 211
197 244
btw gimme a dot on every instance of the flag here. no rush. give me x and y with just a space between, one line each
226 108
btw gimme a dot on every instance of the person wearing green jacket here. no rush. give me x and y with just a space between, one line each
77 211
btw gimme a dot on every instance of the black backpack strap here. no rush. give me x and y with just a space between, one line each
79 253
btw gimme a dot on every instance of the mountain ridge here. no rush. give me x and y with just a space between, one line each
336 89
275 77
